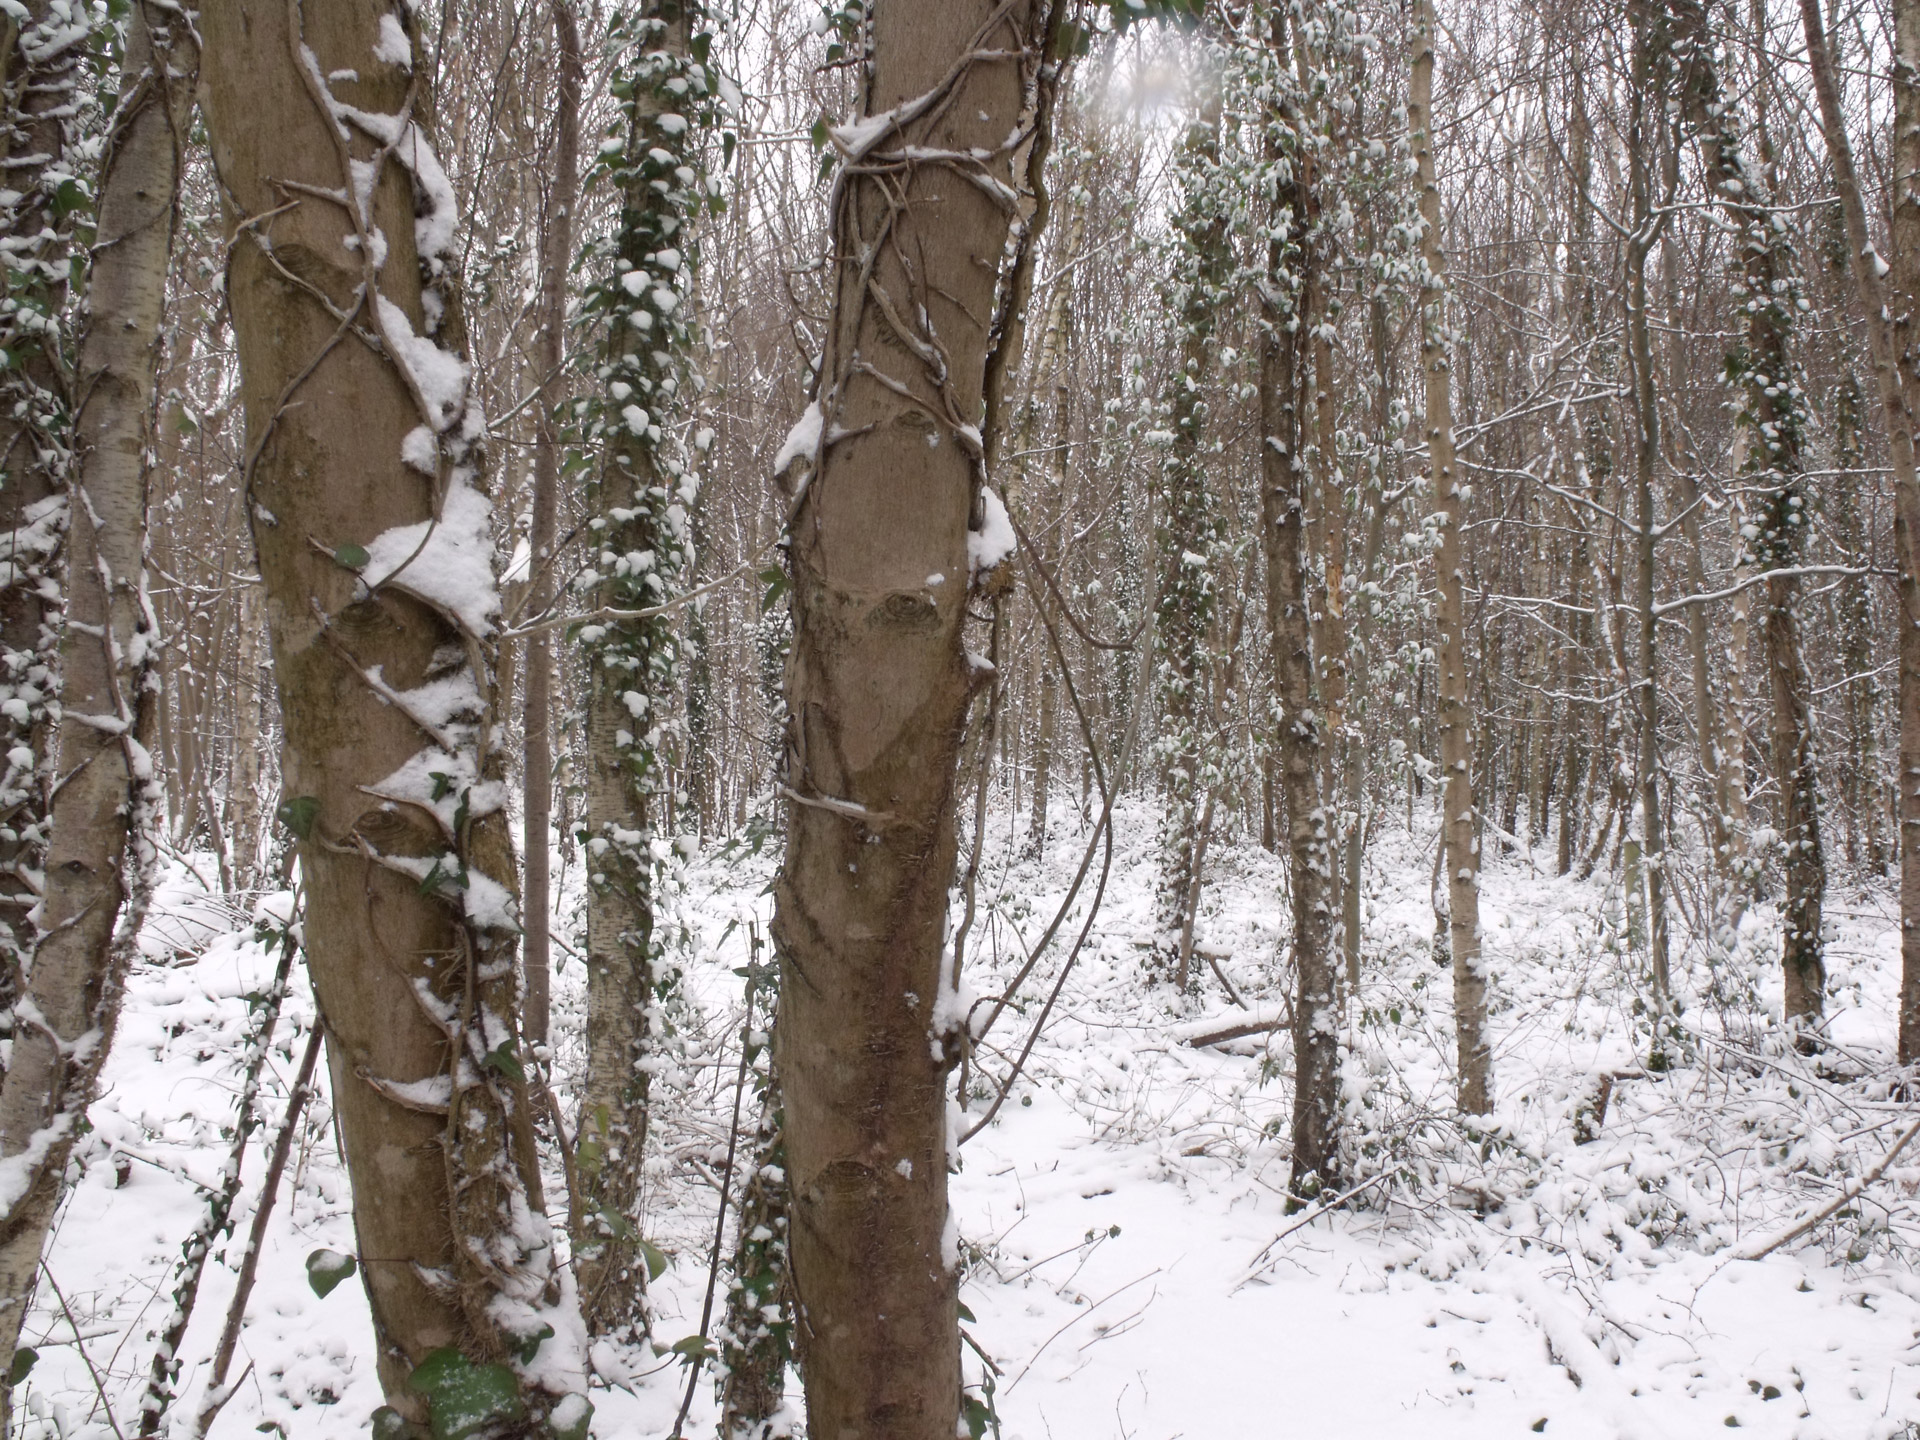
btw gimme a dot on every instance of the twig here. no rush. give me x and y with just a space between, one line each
650 612
720 1221
1259 1262
164 1370
218 1392
98 1387
569 1165
1078 1317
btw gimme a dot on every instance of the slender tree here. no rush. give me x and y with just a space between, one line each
1773 420
1646 116
556 256
640 500
1184 525
1298 722
102 853
1460 841
1889 292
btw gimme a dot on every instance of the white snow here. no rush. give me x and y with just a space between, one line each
393 45
803 440
439 375
995 540
1105 1224
448 562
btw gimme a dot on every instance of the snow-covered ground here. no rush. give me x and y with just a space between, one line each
1128 1259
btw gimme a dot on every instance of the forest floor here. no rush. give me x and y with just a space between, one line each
1128 1260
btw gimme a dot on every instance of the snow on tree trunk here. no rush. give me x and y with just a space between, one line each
1184 525
1773 420
1299 724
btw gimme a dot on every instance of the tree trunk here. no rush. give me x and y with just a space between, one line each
1329 600
1054 376
374 534
43 57
1773 418
1645 410
244 815
549 353
100 861
1889 302
1385 434
641 502
1861 791
1301 737
1909 813
1183 535
886 542
1460 838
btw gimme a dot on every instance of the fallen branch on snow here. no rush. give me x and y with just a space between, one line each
1850 1192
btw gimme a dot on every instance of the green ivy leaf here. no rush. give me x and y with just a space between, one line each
350 556
774 577
656 1258
298 813
693 1347
68 197
502 1061
530 1344
326 1269
22 1366
465 1398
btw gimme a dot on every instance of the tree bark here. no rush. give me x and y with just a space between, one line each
1052 378
100 861
42 58
556 256
1909 813
1459 833
640 501
1890 302
374 533
1645 410
1301 736
1773 418
1183 536
878 687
